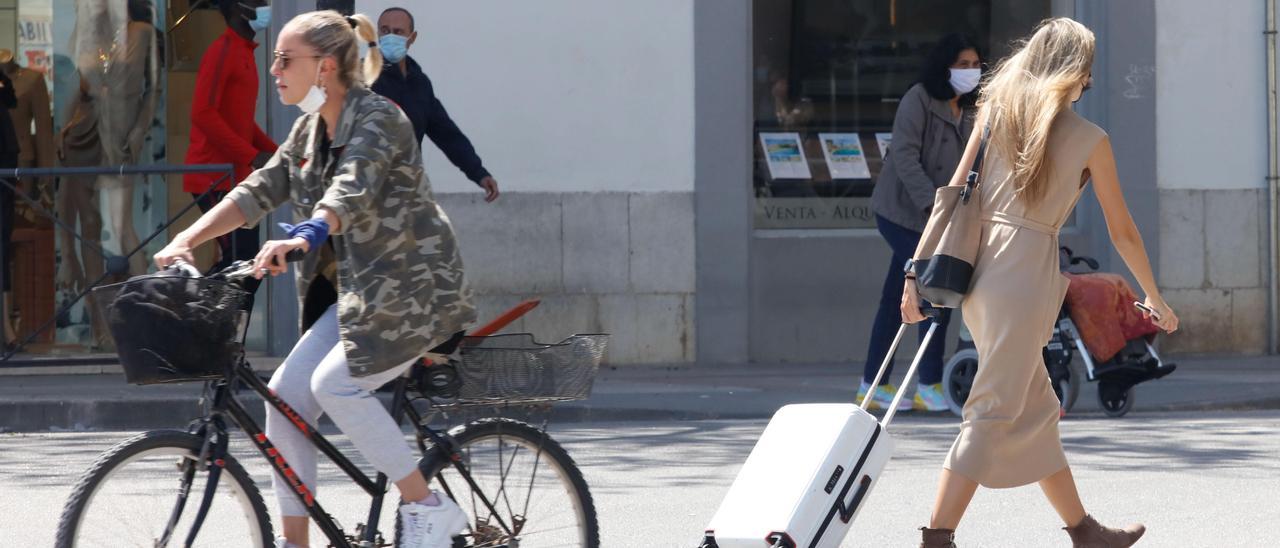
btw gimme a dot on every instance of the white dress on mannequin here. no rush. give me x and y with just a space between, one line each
118 59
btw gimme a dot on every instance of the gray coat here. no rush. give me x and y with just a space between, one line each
927 146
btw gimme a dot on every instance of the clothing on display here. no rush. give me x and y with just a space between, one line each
31 115
78 145
118 59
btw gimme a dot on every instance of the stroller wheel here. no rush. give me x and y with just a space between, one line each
1066 381
957 378
1116 400
959 371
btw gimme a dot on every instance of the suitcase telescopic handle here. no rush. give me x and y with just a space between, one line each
911 372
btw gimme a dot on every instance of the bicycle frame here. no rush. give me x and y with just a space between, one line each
214 430
212 427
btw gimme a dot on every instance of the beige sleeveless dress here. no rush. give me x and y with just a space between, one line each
1009 436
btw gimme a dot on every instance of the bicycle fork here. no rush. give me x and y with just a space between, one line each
210 458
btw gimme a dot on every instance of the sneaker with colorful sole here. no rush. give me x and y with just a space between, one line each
883 397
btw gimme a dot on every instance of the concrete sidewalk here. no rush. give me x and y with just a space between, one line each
106 402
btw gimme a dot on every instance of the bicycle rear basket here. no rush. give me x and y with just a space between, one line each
170 328
515 369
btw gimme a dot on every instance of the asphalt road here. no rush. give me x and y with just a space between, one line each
1195 479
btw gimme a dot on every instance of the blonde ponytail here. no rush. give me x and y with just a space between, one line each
335 35
368 34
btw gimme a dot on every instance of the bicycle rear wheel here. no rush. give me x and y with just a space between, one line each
540 496
129 495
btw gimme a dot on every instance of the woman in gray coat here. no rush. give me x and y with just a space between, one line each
930 129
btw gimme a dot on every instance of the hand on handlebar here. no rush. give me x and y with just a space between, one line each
177 251
274 255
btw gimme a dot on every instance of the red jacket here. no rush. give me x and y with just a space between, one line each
223 130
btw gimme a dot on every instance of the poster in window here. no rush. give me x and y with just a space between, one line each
35 38
844 155
785 155
882 141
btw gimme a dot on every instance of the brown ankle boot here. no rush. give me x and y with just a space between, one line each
1091 534
937 538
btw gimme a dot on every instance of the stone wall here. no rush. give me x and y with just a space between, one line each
614 262
1213 269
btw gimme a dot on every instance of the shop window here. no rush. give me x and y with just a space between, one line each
828 76
89 78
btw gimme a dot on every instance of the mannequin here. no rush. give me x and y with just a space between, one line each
78 145
116 53
35 145
223 130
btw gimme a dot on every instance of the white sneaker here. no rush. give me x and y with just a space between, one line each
282 542
423 526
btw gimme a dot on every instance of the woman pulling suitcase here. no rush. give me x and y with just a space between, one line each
1040 156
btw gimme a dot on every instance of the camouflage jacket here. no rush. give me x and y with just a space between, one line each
400 285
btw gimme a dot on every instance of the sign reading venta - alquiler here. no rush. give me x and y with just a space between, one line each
814 213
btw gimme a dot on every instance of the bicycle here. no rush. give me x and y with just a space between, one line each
480 464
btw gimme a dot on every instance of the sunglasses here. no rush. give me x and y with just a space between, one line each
283 59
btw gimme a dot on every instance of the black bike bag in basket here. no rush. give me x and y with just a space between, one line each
172 328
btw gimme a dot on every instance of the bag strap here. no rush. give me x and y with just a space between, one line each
971 182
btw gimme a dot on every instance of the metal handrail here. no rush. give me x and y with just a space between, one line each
9 176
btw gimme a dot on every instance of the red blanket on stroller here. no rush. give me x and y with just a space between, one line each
1101 306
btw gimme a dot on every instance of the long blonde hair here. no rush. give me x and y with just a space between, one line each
1027 91
340 36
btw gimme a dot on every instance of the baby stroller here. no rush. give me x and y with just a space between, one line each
1136 362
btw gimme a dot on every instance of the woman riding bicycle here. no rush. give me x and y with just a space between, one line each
384 288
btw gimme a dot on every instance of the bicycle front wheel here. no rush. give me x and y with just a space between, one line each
147 490
537 496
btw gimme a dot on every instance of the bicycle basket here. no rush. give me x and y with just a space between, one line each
515 369
170 328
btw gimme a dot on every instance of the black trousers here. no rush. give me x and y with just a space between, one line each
240 245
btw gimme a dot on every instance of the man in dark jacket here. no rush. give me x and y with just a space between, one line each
403 82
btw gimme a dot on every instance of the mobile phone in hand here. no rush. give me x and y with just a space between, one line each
1146 309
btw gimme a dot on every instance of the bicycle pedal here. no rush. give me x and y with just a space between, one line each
360 531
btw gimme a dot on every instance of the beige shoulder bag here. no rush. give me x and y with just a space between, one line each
944 260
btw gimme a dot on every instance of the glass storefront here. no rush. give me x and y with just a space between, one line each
828 75
92 79
108 107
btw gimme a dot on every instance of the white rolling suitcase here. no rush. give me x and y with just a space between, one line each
809 474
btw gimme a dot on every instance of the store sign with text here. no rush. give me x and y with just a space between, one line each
35 38
795 213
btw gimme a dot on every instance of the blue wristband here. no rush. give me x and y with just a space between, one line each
314 231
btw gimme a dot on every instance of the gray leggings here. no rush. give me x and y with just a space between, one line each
314 378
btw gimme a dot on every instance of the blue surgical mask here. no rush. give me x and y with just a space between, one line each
394 47
262 18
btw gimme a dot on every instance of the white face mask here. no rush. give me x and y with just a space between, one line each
315 96
965 80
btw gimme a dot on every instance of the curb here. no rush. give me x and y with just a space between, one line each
145 414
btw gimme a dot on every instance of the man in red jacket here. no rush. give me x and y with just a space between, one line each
223 130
